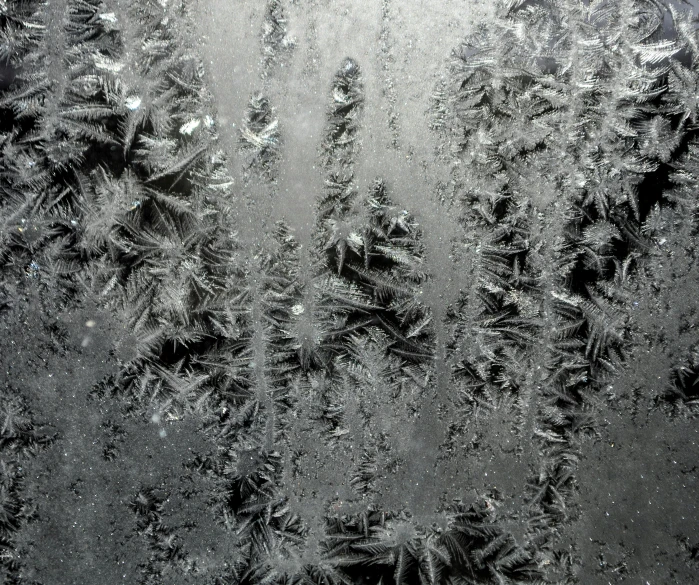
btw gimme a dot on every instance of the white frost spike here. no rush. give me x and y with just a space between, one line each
106 64
266 136
189 127
209 121
655 52
340 97
220 186
108 17
133 102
